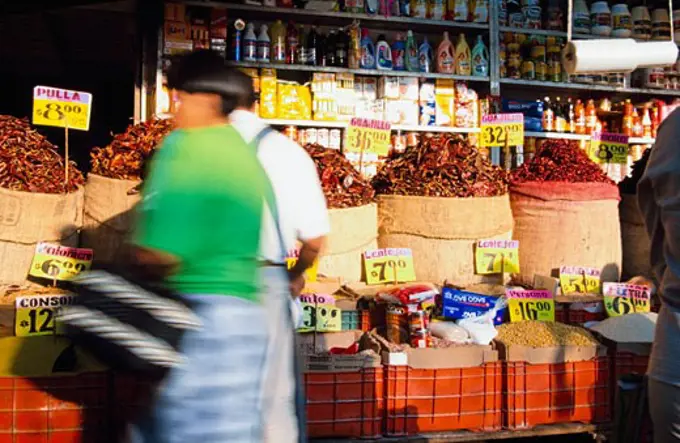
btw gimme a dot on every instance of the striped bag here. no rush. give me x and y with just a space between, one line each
128 324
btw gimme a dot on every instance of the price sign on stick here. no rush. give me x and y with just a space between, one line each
36 315
369 136
320 314
609 148
56 262
497 256
62 108
622 298
390 265
530 305
579 280
500 130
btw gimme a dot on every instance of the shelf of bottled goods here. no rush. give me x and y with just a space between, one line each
584 137
344 124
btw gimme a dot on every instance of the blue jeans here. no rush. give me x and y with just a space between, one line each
216 396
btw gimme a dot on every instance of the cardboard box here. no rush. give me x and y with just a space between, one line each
321 342
388 87
557 354
408 88
370 88
470 356
342 363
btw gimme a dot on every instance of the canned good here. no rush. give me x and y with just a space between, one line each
323 137
311 135
335 139
291 132
418 321
396 319
421 339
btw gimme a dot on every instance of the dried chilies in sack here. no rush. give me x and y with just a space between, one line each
29 162
124 157
441 166
343 185
560 161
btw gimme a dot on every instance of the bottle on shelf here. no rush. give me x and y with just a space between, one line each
367 51
399 53
250 43
425 56
341 44
627 121
278 42
321 49
312 44
372 6
548 121
292 42
354 46
383 54
646 123
571 115
302 46
236 38
263 49
411 58
579 118
480 58
591 117
560 117
436 9
638 129
463 56
446 56
330 55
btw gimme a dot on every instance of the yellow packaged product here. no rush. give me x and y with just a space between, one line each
294 101
268 96
445 98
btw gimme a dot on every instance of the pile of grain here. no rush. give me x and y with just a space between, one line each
631 328
539 334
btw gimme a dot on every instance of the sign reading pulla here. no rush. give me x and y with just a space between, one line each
62 108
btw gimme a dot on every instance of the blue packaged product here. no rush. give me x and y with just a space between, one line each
533 124
528 108
458 304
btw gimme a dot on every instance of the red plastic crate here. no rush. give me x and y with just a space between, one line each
561 313
578 316
345 404
58 409
438 400
537 394
628 363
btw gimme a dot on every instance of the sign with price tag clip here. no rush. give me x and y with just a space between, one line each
500 130
389 265
61 108
609 148
622 298
36 315
579 280
530 305
496 256
367 135
310 273
56 262
320 314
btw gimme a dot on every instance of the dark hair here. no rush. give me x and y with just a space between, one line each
205 71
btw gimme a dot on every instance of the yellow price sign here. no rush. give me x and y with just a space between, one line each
622 298
579 280
389 265
367 135
496 256
57 262
61 108
320 314
609 148
530 305
36 315
310 273
499 130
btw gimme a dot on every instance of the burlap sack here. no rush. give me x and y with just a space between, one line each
442 232
634 239
108 215
28 218
572 224
353 230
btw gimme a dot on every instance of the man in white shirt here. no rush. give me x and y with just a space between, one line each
302 218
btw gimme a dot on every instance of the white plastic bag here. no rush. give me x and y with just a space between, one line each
481 328
449 331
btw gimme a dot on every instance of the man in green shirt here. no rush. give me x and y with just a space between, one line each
199 231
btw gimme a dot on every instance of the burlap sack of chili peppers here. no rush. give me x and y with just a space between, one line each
566 213
111 188
36 203
634 239
353 215
450 199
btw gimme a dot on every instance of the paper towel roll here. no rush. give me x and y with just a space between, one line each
583 56
653 54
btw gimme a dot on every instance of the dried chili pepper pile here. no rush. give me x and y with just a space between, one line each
560 161
29 162
342 184
441 166
124 157
629 184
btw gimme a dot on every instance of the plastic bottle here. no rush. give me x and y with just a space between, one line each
263 52
250 44
548 121
646 123
367 51
236 38
372 7
446 56
480 59
411 57
354 46
399 53
425 56
278 42
341 43
627 123
419 8
321 50
302 46
312 41
404 8
383 54
436 9
580 118
292 42
591 117
463 57
329 49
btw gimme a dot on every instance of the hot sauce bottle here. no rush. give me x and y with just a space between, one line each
591 117
627 118
579 118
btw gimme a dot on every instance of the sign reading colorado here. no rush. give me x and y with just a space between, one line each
57 262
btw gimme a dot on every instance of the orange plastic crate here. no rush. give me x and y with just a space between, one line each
58 409
345 404
437 400
537 394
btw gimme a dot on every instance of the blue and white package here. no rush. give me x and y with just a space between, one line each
458 304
